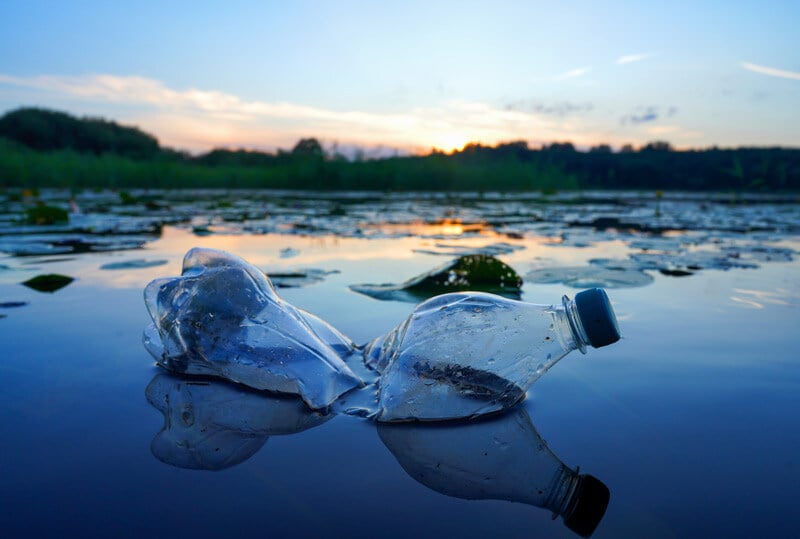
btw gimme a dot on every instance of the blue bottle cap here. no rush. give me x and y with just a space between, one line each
597 317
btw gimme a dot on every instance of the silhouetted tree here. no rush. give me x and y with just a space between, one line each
600 148
561 147
47 130
657 146
308 147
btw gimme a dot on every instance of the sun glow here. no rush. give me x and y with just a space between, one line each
449 142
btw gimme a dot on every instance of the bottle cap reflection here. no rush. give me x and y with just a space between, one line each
212 424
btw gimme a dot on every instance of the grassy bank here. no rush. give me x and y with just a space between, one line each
26 168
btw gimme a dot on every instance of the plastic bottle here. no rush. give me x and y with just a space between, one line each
222 317
468 354
456 356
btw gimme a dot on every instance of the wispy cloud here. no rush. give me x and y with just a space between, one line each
573 73
200 119
663 129
630 58
771 71
559 109
647 114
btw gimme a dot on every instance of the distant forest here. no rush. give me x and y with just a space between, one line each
44 148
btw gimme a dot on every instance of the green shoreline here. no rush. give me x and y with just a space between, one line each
40 148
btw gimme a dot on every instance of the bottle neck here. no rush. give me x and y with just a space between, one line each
578 333
561 500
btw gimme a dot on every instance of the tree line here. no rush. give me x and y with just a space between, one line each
40 148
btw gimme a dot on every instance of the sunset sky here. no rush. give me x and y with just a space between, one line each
412 75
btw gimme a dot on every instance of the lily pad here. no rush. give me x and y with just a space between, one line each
138 263
289 252
691 261
500 248
591 276
298 278
761 253
12 304
470 272
48 283
46 215
676 272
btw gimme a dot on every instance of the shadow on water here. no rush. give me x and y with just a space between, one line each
211 424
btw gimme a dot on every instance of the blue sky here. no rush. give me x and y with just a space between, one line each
413 75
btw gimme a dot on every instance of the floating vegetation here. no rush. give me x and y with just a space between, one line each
289 252
612 276
32 248
49 282
493 249
573 240
298 278
46 215
690 261
48 260
126 199
201 231
761 253
113 220
676 272
54 244
12 304
470 272
138 263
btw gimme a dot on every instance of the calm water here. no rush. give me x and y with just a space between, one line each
690 420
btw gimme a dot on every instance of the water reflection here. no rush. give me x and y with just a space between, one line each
503 458
211 424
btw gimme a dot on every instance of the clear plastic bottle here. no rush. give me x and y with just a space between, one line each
468 354
222 317
456 356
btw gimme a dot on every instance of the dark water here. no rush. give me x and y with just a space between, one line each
690 420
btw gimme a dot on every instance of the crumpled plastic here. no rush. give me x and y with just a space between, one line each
222 317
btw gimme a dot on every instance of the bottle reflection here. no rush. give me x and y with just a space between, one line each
501 458
210 424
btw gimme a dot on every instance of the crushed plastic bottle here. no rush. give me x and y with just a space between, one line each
456 356
468 354
222 317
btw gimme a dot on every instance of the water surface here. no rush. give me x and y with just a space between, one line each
689 420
